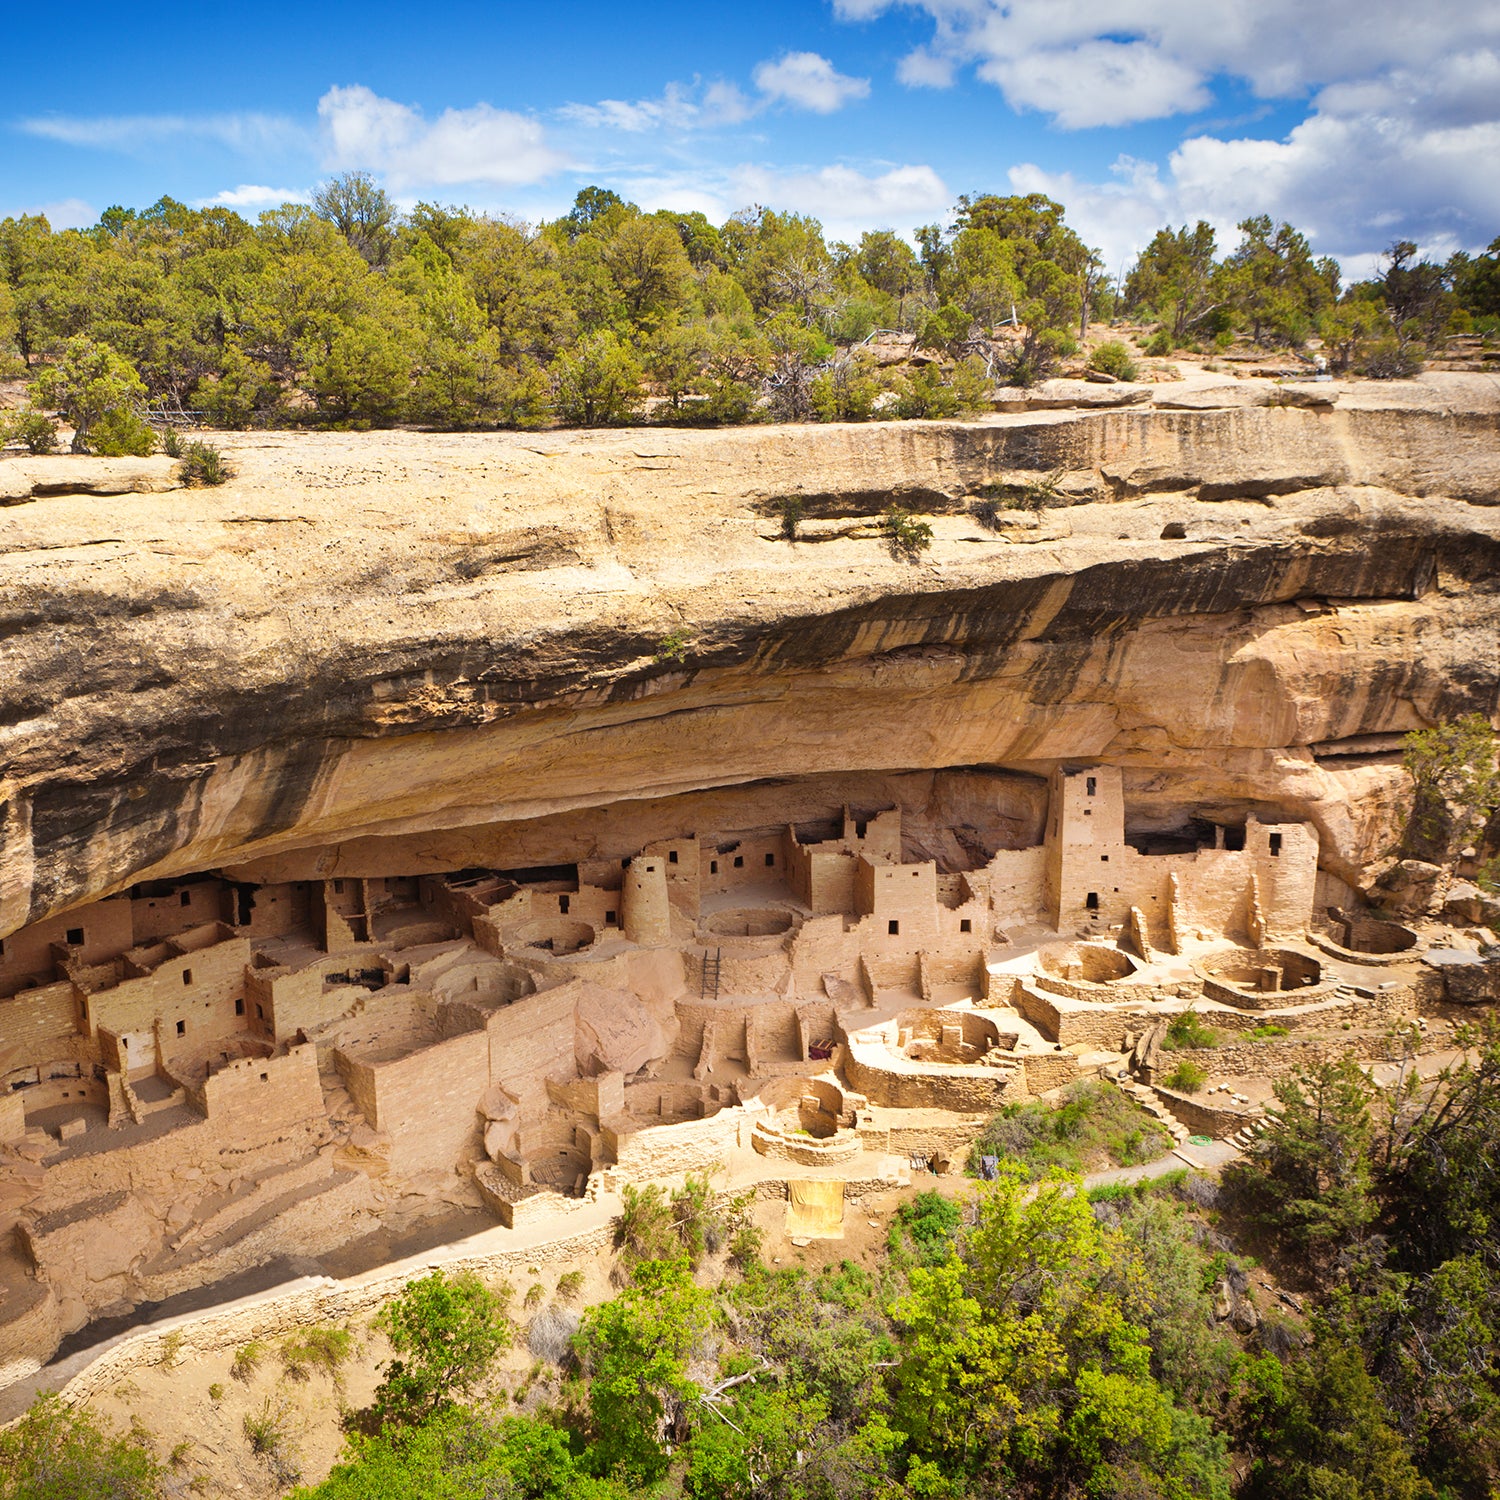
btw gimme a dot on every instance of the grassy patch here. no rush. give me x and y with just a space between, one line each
1094 1128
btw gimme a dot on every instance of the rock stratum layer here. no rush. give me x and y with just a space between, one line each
421 653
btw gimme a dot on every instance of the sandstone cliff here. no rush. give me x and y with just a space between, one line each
414 652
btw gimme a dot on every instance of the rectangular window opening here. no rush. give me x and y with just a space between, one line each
965 925
859 830
75 937
1093 786
562 905
713 867
187 898
893 927
1092 902
1104 859
770 860
338 887
187 976
1275 846
671 856
239 1007
265 1077
182 1028
739 861
609 918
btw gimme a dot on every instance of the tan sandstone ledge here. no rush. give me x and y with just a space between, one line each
375 649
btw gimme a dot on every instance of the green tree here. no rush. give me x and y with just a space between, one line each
1320 1429
1455 780
598 383
1309 1178
88 385
1274 285
650 269
58 1452
361 211
447 1331
636 1350
459 1454
1174 278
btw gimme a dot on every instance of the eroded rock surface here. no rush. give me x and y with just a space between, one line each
392 651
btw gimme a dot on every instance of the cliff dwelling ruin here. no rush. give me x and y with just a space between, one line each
338 899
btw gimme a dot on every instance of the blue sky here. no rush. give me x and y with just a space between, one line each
1359 120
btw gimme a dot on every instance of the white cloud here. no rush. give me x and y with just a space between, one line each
845 200
1352 176
251 195
61 213
1148 58
239 132
680 107
808 81
1098 83
921 69
803 80
364 131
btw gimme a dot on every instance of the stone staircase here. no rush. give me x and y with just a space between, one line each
1247 1135
1138 1093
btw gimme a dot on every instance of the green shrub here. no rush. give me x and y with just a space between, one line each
266 1430
1095 1126
203 464
1391 359
569 1286
1159 344
33 429
536 1294
1187 1076
791 514
673 646
121 433
247 1359
906 536
1114 359
171 443
56 1452
1266 1030
1186 1031
322 1349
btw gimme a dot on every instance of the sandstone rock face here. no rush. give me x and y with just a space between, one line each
416 652
616 1032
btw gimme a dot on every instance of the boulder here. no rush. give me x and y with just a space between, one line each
1410 887
615 1032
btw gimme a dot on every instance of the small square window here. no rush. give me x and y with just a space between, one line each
965 925
75 937
1104 859
265 1077
182 1028
770 860
1088 812
893 927
739 861
609 917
